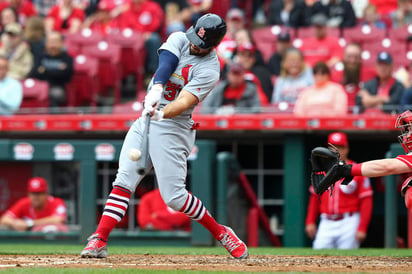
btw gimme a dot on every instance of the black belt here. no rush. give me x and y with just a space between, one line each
338 217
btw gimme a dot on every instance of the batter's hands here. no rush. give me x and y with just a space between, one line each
360 236
154 114
152 98
311 230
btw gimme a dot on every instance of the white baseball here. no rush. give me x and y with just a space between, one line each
134 154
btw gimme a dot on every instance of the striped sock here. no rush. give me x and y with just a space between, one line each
195 210
114 211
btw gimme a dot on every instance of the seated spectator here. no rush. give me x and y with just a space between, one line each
372 18
35 34
17 51
65 17
384 6
351 73
290 13
294 77
178 15
7 16
43 6
148 18
11 93
321 47
246 56
233 95
101 21
384 92
235 21
359 6
282 45
324 99
56 67
199 8
154 214
244 36
24 8
402 16
339 13
37 212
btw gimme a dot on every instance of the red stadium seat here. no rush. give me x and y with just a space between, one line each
35 93
133 53
363 34
110 67
84 85
308 32
75 42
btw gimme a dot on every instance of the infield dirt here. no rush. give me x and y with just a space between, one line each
328 264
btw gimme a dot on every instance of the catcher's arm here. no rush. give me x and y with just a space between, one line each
327 169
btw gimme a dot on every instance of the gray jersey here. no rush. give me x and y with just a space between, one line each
197 75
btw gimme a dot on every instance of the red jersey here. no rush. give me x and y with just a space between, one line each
59 24
165 218
315 50
407 159
385 6
354 197
23 209
145 17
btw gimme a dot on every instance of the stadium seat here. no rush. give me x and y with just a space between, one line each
75 42
84 85
35 93
308 32
108 56
363 34
133 53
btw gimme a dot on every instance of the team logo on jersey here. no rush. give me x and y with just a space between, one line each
23 151
63 151
201 32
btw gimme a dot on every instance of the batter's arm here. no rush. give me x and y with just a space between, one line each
184 101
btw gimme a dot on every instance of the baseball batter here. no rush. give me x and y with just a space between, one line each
344 214
188 70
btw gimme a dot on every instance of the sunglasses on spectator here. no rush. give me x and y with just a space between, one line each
11 34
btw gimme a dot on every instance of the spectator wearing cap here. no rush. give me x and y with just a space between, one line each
235 21
282 45
39 211
351 73
54 66
382 93
233 95
295 76
290 13
324 99
345 210
258 73
65 17
402 16
24 8
17 51
339 13
11 93
321 47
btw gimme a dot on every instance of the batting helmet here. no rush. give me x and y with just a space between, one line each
404 123
208 31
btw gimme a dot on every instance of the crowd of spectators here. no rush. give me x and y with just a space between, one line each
311 54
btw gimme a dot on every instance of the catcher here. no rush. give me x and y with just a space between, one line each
327 168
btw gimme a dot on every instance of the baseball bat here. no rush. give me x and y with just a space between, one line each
142 166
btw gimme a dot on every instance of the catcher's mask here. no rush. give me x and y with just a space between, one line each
404 123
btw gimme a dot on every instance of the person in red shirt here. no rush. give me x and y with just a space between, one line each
147 17
153 213
24 8
320 47
65 17
344 214
101 21
39 211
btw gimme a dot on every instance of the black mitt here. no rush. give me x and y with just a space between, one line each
327 169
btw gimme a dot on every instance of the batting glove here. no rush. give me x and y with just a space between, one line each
152 98
156 115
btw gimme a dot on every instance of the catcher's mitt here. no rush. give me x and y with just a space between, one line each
327 169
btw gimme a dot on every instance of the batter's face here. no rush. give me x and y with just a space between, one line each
194 50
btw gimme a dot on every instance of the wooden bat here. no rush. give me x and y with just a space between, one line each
142 165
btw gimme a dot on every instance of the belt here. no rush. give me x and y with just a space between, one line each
338 217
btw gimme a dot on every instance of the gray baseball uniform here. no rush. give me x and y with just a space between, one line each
171 140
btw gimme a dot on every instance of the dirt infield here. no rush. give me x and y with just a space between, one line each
219 263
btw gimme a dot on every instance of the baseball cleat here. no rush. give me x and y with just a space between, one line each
95 248
233 244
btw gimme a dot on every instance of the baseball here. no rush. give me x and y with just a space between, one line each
134 154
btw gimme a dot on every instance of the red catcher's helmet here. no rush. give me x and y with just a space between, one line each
404 123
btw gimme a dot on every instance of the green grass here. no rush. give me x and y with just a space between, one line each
36 249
